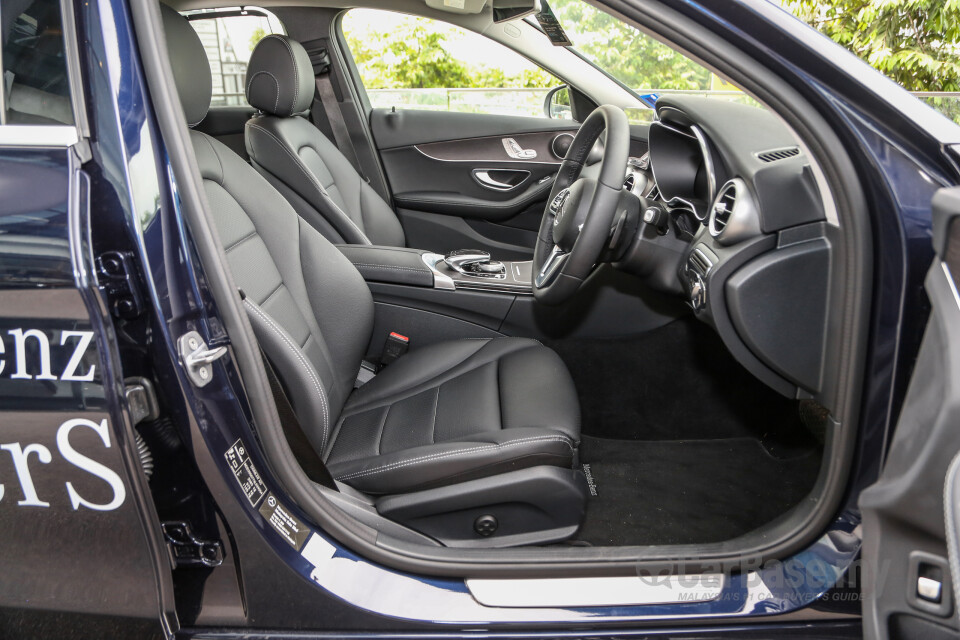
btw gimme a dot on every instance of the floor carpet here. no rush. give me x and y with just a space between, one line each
688 491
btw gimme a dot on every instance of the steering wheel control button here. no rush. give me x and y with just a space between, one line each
557 203
572 213
486 525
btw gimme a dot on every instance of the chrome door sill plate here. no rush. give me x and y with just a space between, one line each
596 592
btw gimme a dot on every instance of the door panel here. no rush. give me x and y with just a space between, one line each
464 180
469 180
405 127
907 581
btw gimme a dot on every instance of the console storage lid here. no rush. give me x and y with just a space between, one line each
394 265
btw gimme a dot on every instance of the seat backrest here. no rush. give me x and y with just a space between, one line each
309 306
299 160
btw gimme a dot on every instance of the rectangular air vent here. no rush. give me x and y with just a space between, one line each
779 154
700 263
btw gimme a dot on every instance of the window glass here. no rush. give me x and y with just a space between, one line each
229 41
418 63
36 89
636 60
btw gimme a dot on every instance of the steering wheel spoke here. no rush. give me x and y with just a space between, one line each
551 267
575 227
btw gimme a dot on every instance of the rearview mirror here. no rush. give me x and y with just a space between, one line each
506 10
556 104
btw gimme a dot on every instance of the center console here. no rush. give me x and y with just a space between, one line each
466 269
430 297
474 270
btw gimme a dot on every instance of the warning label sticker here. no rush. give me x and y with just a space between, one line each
245 473
285 523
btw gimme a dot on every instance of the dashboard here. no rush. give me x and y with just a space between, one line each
733 217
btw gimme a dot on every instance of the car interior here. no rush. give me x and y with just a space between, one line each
508 331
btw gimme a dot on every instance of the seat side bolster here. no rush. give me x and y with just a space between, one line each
300 380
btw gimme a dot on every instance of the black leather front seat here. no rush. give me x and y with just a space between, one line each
439 416
299 160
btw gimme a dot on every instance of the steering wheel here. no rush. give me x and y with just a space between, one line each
580 212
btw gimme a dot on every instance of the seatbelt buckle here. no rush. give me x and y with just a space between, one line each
395 346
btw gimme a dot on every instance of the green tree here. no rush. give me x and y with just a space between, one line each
258 34
635 59
914 42
414 56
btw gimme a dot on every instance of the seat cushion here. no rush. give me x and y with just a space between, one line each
455 411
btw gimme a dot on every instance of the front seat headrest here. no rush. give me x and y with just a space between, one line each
191 69
280 77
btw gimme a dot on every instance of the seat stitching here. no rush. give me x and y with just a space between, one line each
310 178
383 424
276 100
223 174
433 426
272 293
390 267
499 393
365 404
296 72
450 454
425 383
303 361
240 241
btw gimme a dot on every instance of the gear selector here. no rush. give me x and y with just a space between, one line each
473 262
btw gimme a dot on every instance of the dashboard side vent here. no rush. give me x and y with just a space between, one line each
700 263
722 208
779 154
629 181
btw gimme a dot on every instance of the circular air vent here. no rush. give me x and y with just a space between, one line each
734 215
723 208
629 181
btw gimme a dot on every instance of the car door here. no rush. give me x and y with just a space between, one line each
77 550
909 585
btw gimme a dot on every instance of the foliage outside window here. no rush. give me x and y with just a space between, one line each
914 42
419 63
641 63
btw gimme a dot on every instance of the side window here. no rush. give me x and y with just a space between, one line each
229 37
410 62
36 89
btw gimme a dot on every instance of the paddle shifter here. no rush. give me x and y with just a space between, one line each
473 262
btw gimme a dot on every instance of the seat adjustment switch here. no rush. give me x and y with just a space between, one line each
485 525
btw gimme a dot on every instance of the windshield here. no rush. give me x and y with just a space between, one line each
636 60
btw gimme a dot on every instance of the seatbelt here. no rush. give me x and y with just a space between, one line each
303 451
327 98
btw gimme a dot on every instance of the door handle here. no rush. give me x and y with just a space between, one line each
484 178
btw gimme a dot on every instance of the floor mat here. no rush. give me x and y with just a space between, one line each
688 491
677 382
